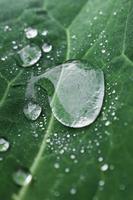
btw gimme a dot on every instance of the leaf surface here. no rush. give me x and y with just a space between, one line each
101 32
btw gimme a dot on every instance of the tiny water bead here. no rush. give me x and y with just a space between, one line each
44 33
104 167
22 177
107 123
29 55
78 93
67 170
46 47
32 111
7 28
31 32
56 165
100 159
73 191
1 158
101 183
4 145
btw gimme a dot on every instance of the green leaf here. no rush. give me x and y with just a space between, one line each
104 37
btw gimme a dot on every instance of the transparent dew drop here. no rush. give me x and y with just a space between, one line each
46 48
22 177
29 55
1 158
100 159
101 183
7 28
45 33
73 191
56 166
4 145
104 167
78 93
32 111
67 170
31 32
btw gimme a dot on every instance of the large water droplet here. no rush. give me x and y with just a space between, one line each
32 111
22 177
78 93
4 145
46 47
31 32
29 55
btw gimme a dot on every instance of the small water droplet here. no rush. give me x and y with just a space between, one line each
61 151
56 166
13 42
104 167
44 33
95 18
113 92
107 123
31 32
32 111
4 145
74 37
67 170
115 13
7 28
101 183
1 158
15 47
73 191
29 55
46 47
100 12
72 157
22 177
4 58
82 150
113 113
78 94
100 159
103 51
